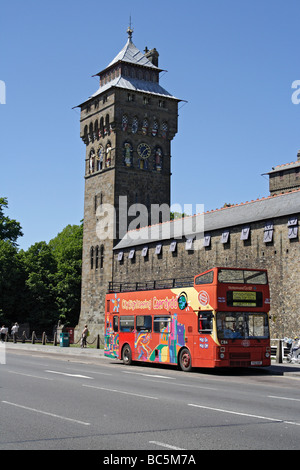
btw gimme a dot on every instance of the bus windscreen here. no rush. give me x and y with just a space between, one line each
242 276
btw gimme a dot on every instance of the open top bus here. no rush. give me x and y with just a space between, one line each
219 318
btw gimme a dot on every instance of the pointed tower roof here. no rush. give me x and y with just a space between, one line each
132 55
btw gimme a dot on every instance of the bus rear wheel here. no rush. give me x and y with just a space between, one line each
185 360
126 355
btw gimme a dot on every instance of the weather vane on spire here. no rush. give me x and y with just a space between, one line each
129 29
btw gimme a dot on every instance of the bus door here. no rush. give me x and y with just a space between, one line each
163 350
143 338
126 329
112 336
204 351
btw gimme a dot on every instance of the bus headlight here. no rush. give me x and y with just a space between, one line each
222 355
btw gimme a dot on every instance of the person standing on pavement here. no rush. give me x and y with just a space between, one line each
3 332
84 336
14 332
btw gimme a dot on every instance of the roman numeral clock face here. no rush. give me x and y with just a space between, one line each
144 151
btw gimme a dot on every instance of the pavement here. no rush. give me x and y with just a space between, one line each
285 369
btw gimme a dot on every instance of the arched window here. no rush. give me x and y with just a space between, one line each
154 128
101 129
85 135
96 130
91 132
145 126
164 129
124 122
106 127
92 257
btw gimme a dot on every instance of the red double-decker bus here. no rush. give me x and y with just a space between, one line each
217 319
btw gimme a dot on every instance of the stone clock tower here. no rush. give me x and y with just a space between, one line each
127 127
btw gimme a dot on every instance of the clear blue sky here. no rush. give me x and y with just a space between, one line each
233 61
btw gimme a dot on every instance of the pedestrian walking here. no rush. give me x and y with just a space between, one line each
14 332
3 333
84 335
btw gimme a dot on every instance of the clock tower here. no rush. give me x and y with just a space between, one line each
127 127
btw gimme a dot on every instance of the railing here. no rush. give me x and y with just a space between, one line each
44 339
150 285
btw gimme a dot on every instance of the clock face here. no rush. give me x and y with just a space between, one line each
144 150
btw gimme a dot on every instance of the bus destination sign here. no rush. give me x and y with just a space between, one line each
244 299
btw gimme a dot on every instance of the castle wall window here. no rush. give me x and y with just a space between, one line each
245 233
97 257
225 237
206 241
131 254
92 257
189 244
268 232
173 246
292 227
120 255
158 249
145 251
101 257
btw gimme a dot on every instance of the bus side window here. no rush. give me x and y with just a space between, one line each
162 324
116 324
205 322
144 323
127 323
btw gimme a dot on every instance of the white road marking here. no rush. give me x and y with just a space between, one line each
29 375
46 413
284 398
70 375
168 446
120 391
244 414
149 375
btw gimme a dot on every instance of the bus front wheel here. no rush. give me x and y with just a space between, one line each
185 360
126 355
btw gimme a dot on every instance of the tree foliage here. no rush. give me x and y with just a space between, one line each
41 285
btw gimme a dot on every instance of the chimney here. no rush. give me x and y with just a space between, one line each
152 56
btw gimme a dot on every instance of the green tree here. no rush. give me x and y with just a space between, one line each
66 248
10 229
12 281
39 297
11 270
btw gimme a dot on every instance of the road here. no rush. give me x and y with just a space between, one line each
48 402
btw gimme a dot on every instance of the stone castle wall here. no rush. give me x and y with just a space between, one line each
281 258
